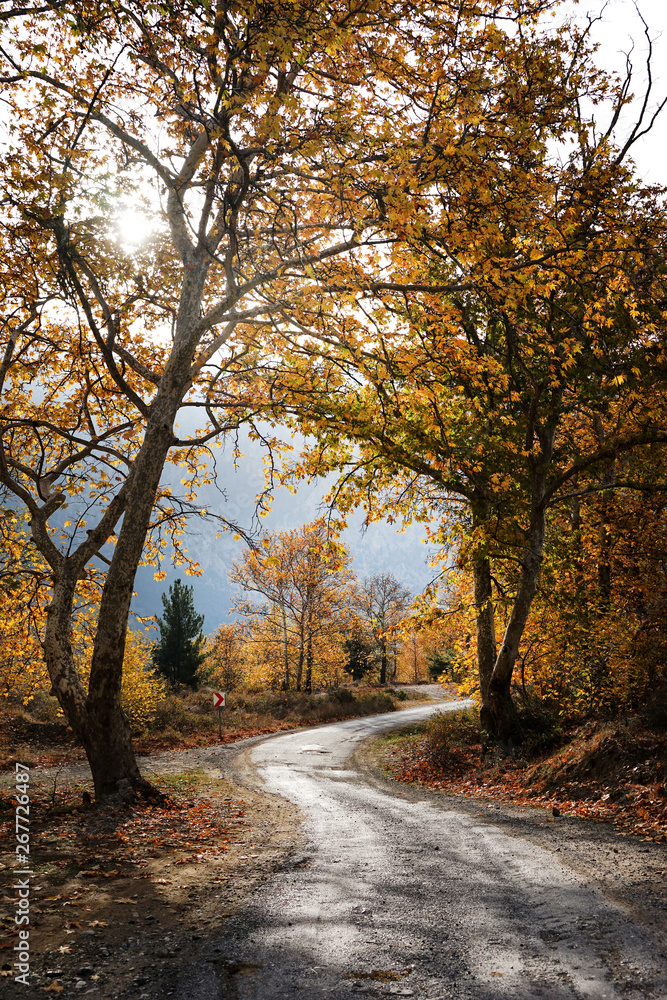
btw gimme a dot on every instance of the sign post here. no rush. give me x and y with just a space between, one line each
219 700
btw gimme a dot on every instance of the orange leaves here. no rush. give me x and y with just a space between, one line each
195 827
562 782
304 576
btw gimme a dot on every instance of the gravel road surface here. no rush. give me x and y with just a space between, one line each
410 894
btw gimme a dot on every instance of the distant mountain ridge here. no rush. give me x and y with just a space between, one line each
377 549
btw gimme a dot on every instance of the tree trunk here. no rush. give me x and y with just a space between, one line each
485 625
309 651
309 665
605 534
394 666
383 660
103 726
300 661
499 714
108 745
604 557
108 741
285 650
65 681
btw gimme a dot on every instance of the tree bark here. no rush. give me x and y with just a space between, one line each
108 738
383 661
499 715
103 730
309 665
485 627
101 722
285 650
300 661
605 535
65 681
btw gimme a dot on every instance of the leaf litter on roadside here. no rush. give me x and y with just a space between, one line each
603 773
94 844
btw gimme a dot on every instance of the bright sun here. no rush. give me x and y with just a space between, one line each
133 228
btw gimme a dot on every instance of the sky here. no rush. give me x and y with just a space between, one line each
619 29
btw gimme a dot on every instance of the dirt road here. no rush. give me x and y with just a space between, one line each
411 894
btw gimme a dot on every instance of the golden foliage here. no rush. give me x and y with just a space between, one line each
302 579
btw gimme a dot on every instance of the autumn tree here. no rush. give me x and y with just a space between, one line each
414 665
224 664
304 578
515 344
240 135
22 609
381 603
596 639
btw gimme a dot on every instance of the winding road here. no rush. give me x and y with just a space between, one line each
399 894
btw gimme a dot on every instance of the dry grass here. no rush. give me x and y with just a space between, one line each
35 736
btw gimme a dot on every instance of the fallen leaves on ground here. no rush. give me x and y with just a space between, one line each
190 723
601 774
66 752
113 843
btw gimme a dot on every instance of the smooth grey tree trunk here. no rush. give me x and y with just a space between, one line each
98 717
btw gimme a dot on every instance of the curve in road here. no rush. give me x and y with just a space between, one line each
404 896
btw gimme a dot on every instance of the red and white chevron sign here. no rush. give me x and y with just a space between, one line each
219 699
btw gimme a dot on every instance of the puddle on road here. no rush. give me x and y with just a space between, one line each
379 975
241 968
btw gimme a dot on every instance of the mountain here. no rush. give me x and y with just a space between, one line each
377 549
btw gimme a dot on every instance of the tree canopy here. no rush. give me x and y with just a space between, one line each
241 135
516 349
399 225
304 579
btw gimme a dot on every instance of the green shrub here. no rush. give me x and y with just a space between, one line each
398 693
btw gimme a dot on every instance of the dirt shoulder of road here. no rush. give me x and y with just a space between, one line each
628 870
120 898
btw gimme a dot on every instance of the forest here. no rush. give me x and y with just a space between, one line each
416 238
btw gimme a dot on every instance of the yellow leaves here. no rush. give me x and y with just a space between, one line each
160 575
143 691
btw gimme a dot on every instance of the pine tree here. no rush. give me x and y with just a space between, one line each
178 652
